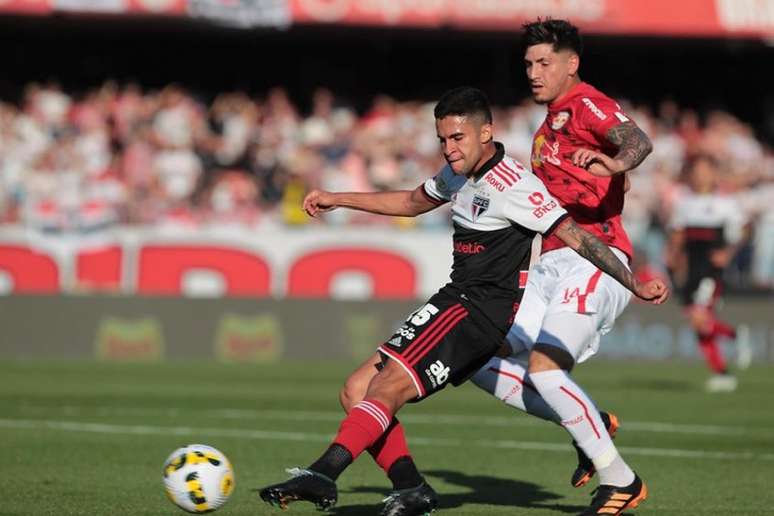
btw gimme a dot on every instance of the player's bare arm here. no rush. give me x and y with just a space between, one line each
399 203
633 147
595 251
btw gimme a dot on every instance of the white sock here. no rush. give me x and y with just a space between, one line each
504 378
581 419
615 472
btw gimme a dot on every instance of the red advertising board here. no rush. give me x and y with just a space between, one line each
320 264
711 18
173 7
646 17
25 6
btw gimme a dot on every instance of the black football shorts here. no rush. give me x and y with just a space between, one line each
449 338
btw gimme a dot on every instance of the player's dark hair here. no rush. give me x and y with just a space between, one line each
463 101
561 34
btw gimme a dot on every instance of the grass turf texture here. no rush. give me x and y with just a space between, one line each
86 438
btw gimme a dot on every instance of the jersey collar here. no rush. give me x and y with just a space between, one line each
567 98
490 164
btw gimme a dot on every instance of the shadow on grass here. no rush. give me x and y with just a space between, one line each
478 489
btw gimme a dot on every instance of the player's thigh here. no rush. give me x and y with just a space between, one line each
391 386
423 329
529 317
578 326
356 385
446 341
702 291
612 300
572 335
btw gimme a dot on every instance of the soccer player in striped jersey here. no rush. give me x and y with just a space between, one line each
707 229
497 208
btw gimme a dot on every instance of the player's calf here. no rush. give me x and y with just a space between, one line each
586 470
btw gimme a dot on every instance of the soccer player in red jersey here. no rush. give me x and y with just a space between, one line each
497 208
581 152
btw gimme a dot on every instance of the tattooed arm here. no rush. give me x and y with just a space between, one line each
595 251
633 146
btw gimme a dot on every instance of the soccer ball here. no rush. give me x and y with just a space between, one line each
198 478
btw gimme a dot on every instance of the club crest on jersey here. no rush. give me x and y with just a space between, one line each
479 206
561 118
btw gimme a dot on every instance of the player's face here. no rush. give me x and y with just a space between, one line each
462 141
702 177
550 73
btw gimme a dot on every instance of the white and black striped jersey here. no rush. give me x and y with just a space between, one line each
708 221
496 214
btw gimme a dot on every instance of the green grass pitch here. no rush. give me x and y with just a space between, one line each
88 438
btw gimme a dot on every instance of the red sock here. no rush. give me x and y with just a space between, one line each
712 354
390 447
363 426
721 329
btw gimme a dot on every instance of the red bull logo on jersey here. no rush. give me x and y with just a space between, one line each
561 118
479 206
545 150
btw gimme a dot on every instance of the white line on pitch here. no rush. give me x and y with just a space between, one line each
517 419
76 426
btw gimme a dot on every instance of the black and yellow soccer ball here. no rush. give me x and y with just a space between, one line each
198 478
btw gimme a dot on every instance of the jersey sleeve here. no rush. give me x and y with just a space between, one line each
599 114
438 189
531 206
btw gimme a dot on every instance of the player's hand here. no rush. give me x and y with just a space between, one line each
655 291
597 163
318 201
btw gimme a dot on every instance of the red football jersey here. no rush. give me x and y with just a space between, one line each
580 120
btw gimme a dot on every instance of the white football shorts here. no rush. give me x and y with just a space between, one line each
562 283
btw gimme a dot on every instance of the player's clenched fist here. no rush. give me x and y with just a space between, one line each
597 163
655 291
318 201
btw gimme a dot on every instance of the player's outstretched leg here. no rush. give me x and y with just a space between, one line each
411 493
550 361
363 426
506 379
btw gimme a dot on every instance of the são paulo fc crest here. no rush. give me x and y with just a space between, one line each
479 206
559 120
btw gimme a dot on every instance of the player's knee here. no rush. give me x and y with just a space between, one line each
545 357
353 391
700 319
392 386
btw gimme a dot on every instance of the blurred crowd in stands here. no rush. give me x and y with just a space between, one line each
120 155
